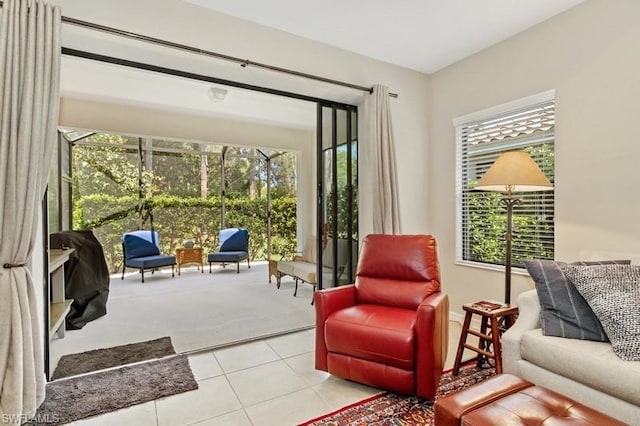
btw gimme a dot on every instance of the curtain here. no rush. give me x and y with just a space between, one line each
29 100
386 217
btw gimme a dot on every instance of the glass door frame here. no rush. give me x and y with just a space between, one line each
321 222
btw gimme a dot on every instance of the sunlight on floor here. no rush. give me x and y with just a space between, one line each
197 310
266 382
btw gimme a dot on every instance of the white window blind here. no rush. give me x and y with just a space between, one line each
526 125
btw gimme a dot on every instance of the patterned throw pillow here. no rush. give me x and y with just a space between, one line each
613 291
564 312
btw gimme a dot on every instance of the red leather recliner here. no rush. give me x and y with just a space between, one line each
389 329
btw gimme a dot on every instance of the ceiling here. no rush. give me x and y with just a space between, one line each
424 35
103 82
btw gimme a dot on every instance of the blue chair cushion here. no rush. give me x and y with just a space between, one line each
228 256
234 239
139 244
146 262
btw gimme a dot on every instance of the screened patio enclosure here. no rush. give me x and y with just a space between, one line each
185 190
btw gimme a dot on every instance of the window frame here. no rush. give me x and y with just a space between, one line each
487 114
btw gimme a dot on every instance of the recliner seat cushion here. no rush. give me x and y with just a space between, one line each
381 334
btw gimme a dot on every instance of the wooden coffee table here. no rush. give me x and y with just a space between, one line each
273 268
192 255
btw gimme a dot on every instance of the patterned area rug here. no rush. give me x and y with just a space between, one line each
388 409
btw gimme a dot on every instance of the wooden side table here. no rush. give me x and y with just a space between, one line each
493 322
186 255
273 269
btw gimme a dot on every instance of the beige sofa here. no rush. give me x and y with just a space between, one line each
304 267
589 372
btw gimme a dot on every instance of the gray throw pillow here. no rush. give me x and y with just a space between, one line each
564 312
613 291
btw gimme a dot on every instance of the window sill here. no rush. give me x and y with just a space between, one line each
498 268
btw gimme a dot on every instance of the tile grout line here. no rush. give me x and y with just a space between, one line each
238 398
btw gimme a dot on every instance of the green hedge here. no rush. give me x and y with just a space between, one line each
178 218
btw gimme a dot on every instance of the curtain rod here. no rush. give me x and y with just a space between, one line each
243 62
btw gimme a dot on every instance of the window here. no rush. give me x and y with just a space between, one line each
528 125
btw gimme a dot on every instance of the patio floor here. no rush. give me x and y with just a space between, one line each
197 310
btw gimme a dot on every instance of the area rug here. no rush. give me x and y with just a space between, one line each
388 409
101 359
76 398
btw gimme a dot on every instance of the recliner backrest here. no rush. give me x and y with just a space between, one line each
140 244
397 270
234 239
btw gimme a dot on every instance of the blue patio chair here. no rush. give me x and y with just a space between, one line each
234 248
141 250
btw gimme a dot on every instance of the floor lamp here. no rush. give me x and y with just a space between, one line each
513 171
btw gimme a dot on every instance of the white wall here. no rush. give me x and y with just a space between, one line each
590 55
138 121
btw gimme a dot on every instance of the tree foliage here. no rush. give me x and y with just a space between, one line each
343 189
180 191
487 216
179 218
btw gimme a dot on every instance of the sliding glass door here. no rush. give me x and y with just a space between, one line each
337 194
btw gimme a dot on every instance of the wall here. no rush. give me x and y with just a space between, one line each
589 54
138 121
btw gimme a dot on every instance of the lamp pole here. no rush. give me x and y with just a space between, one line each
509 202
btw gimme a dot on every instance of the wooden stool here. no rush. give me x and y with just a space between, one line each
493 323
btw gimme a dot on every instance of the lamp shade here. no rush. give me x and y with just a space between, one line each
514 171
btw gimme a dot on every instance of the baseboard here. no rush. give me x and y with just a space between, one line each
456 316
459 318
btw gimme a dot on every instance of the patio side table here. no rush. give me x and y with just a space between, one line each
273 268
189 255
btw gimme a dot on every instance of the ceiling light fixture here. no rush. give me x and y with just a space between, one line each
217 94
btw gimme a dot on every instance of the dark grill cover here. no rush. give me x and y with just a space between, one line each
86 277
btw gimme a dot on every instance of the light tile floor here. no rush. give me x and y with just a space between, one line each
266 382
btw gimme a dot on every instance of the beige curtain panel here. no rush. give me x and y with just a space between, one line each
386 217
29 99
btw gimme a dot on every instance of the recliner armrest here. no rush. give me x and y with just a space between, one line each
528 319
332 299
432 327
326 302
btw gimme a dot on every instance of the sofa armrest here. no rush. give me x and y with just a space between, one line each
327 302
432 336
528 319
